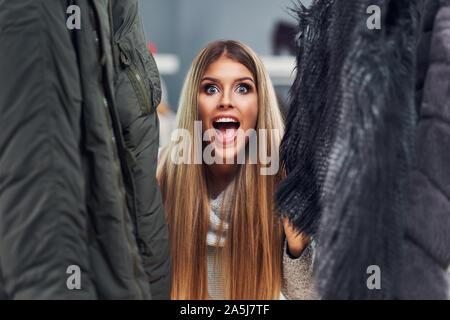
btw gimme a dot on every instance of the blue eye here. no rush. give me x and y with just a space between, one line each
210 89
243 88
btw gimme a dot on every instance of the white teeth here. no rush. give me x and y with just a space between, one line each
225 120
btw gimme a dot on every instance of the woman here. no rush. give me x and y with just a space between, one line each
226 240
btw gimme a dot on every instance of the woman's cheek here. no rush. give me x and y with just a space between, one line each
251 115
203 110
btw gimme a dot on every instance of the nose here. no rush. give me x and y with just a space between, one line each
225 100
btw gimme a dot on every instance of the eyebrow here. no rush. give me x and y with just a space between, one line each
237 80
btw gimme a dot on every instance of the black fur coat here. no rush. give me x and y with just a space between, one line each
349 144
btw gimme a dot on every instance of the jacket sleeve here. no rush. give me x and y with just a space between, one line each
427 238
42 213
152 225
138 93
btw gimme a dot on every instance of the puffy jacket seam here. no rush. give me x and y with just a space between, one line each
433 184
148 146
153 212
419 245
434 116
437 62
152 280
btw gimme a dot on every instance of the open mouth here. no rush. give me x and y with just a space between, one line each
226 128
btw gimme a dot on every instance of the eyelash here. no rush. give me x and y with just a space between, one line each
208 86
244 85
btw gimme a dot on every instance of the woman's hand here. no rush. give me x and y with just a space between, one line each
296 242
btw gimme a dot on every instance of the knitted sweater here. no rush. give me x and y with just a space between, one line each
297 278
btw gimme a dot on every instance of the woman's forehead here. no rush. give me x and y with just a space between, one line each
225 68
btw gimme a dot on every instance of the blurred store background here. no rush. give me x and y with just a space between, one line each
179 29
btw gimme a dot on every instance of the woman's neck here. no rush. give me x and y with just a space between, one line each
219 177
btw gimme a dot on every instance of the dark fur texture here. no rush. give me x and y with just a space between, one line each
369 164
348 146
306 140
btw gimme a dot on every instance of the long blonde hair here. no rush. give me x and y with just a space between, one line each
253 247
